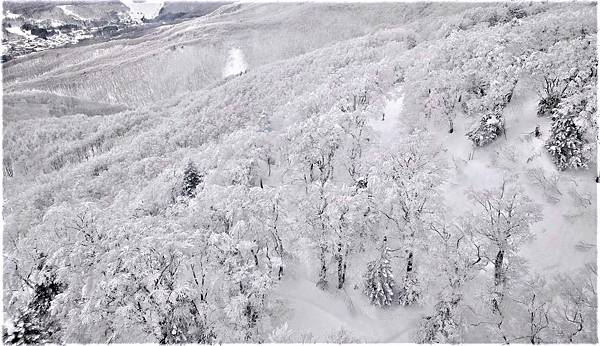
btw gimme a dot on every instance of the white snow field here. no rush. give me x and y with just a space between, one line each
143 9
236 63
69 12
19 31
307 173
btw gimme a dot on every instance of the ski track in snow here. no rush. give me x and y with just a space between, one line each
387 127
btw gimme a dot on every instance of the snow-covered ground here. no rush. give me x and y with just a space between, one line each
146 9
236 63
20 32
567 226
10 15
69 12
321 313
388 127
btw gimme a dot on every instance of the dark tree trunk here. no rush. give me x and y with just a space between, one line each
498 280
278 243
255 257
498 271
409 263
322 283
203 294
341 266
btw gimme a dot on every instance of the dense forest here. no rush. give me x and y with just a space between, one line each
430 180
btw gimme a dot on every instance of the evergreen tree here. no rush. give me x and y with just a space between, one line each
547 105
35 324
410 292
380 280
490 127
567 144
191 179
441 326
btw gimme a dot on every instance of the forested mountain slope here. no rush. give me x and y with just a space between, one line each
189 56
424 179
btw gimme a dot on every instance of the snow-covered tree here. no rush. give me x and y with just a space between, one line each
334 216
379 279
566 145
490 127
574 312
569 144
459 258
315 145
342 336
191 179
562 70
356 143
531 312
410 291
35 324
441 326
282 334
312 155
503 224
567 75
403 185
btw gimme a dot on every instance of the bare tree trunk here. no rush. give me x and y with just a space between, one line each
255 257
278 243
341 266
322 283
498 280
498 271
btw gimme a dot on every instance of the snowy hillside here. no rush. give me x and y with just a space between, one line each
173 59
301 173
36 26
